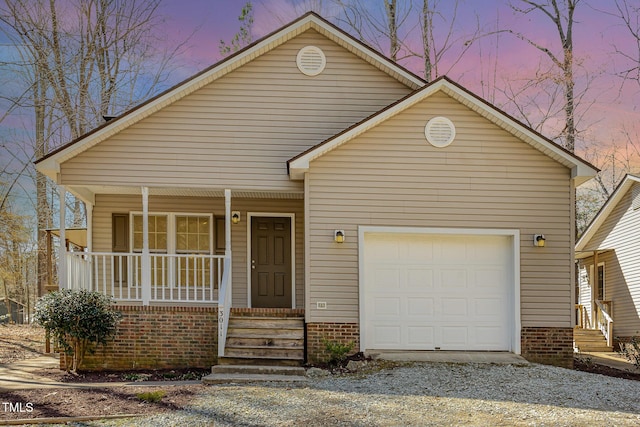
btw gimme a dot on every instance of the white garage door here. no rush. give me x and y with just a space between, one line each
428 292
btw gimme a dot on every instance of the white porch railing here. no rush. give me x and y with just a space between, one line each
604 320
224 306
174 277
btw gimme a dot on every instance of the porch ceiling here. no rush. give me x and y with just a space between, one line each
87 193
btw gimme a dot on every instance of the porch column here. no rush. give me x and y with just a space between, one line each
594 290
227 223
89 209
62 263
146 258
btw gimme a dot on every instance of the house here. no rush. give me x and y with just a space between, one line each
608 258
308 189
12 311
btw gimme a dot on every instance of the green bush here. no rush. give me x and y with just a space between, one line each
337 351
77 320
151 396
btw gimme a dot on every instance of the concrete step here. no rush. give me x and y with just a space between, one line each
262 361
249 378
258 369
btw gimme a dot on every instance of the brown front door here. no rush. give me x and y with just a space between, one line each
270 262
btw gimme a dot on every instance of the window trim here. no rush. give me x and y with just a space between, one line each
172 230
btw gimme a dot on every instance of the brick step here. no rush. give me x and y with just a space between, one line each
266 322
238 340
258 352
263 361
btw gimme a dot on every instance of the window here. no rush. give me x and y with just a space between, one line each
601 278
176 233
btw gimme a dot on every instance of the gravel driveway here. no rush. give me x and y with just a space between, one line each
421 394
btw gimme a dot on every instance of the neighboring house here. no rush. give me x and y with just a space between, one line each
608 255
308 178
15 312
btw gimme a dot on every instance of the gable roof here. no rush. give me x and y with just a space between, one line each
50 164
581 170
620 191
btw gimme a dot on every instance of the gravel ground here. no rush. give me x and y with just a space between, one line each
419 395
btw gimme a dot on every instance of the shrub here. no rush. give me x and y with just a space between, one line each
77 320
151 396
337 351
631 351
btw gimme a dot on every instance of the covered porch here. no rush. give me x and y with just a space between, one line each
155 247
594 311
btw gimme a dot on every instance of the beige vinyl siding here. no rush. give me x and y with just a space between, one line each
620 232
391 176
239 131
108 204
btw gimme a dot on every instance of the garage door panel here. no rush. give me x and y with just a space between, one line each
453 279
387 278
420 337
386 307
455 309
419 278
450 292
489 307
454 337
386 336
419 306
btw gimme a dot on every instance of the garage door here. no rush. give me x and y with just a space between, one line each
429 292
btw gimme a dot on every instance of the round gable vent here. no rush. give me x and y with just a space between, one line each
311 60
440 132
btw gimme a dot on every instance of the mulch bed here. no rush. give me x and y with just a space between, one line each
54 403
594 368
187 374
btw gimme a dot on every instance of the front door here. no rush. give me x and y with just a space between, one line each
271 262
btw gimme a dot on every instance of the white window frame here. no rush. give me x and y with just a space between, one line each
172 229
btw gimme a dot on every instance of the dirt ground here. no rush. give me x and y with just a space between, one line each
19 342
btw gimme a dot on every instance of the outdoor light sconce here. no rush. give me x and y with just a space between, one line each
235 217
539 240
339 236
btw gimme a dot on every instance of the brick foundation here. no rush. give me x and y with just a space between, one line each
551 346
159 338
344 333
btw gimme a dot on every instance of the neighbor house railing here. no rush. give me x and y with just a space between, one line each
174 277
604 319
582 314
224 306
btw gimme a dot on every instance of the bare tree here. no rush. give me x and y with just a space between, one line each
561 14
244 36
629 14
79 62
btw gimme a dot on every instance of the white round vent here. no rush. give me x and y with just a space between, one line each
440 131
311 60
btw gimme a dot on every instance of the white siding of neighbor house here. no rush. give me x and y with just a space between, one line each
621 232
487 178
106 205
239 131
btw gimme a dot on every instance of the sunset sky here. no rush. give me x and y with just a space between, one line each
489 63
607 107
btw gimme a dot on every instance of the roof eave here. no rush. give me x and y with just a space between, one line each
605 211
